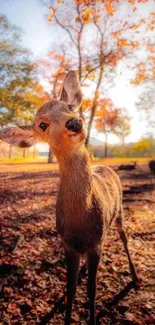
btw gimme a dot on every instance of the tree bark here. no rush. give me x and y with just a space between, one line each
93 110
101 70
50 157
106 146
34 152
89 128
24 153
10 151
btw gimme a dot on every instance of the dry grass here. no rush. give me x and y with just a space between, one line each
40 164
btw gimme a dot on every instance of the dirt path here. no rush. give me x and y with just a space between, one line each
32 265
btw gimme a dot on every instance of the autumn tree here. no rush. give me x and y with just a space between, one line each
53 69
146 104
20 93
94 39
111 120
141 148
142 67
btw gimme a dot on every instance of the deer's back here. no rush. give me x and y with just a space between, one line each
108 180
107 192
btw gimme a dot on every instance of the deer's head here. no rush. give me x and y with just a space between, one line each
56 122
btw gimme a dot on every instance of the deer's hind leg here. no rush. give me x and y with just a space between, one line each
123 236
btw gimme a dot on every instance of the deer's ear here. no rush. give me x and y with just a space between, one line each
71 92
21 136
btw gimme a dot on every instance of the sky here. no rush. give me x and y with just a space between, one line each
30 15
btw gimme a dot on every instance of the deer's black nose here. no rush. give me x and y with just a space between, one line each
74 125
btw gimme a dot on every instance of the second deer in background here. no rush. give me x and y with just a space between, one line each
152 166
128 166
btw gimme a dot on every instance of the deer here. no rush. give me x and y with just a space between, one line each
88 200
128 167
152 166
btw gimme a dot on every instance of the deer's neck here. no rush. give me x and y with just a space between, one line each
76 182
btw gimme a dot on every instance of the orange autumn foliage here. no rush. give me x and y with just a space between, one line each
109 8
86 15
138 79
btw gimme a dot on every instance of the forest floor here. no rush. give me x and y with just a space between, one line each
32 263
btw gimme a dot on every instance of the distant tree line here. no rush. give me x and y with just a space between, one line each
145 147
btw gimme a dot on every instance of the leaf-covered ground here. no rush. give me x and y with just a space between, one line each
32 264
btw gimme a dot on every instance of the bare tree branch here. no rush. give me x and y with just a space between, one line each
97 67
66 29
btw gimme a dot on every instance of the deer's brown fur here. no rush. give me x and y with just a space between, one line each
88 201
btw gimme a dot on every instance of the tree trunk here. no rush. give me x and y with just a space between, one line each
50 157
10 151
106 147
101 70
88 130
34 152
93 109
24 153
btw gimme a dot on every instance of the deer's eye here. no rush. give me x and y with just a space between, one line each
70 107
43 126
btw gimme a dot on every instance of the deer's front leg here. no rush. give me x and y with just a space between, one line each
93 257
73 260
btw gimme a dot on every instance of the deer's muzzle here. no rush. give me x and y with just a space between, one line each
74 125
